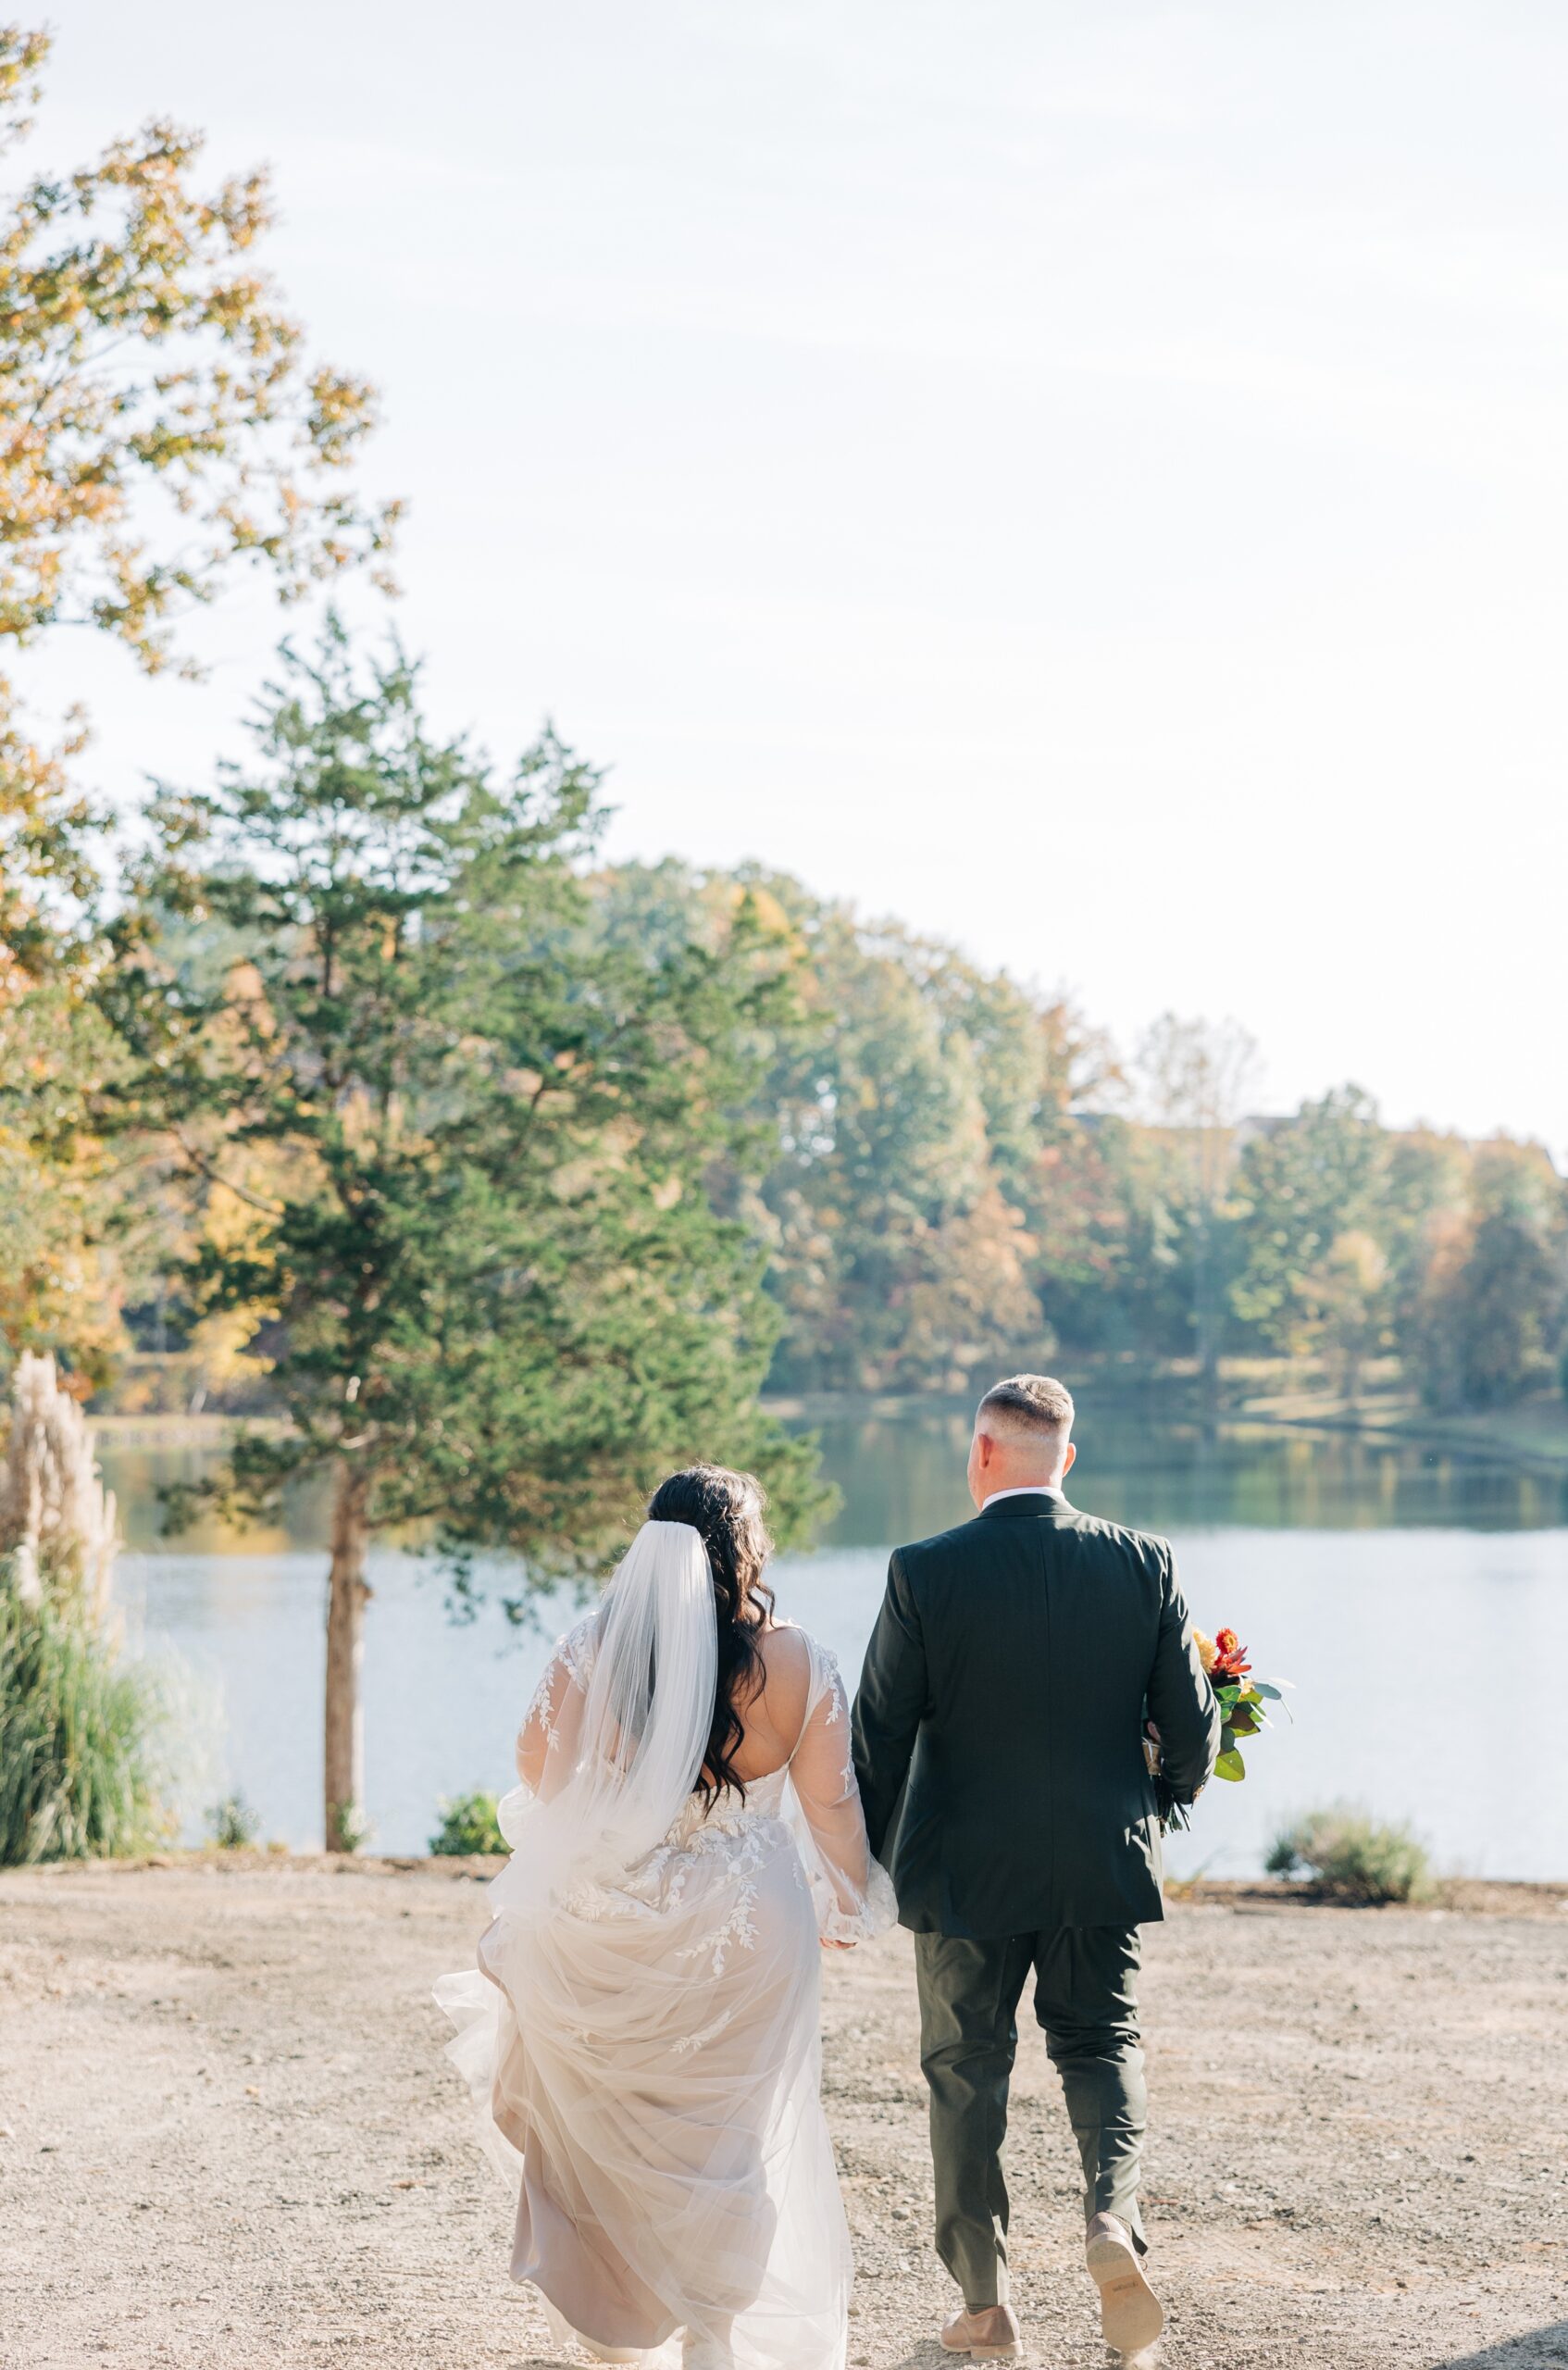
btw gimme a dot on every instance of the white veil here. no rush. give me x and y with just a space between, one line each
627 1736
640 2034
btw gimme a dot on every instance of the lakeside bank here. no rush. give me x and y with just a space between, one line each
1532 1433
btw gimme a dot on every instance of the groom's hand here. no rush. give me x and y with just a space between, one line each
1153 1734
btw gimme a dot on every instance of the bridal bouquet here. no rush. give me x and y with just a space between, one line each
1242 1699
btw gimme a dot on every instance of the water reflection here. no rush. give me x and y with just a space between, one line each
1334 1556
902 1476
137 1475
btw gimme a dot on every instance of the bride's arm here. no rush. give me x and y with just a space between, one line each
551 1726
854 1895
541 1730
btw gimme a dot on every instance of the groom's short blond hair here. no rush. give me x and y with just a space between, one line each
1027 1404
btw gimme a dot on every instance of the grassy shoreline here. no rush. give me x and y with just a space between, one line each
1534 1433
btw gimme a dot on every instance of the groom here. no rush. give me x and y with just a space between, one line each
998 1745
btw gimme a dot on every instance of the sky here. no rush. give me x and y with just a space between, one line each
1090 480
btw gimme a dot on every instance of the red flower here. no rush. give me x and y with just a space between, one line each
1230 1656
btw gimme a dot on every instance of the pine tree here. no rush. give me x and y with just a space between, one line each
363 993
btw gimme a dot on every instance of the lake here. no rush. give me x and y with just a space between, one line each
1407 1593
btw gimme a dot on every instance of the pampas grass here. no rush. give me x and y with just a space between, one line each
56 1519
82 1729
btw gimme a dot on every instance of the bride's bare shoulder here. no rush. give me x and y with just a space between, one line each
784 1647
786 1661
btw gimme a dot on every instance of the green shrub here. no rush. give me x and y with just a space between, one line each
232 1824
468 1823
80 1745
1348 1857
355 1828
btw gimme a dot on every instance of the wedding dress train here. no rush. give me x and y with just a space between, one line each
641 2034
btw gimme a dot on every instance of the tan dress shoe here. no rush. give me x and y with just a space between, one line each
990 2335
1130 2314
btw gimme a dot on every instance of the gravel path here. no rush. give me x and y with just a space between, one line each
229 2139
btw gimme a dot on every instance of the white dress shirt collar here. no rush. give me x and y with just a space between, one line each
1035 1490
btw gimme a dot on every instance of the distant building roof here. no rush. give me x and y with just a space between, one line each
1261 1123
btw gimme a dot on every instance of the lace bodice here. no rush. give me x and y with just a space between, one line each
814 1794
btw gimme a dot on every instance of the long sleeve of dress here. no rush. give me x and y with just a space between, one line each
854 1895
551 1719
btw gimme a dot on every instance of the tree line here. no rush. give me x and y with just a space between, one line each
714 1121
966 1173
856 1159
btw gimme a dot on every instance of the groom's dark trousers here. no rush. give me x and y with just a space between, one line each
997 1741
1085 1982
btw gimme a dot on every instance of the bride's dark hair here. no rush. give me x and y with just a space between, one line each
726 1510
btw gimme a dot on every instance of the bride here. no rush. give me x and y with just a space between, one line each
642 2032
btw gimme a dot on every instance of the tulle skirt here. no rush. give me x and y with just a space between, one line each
645 2056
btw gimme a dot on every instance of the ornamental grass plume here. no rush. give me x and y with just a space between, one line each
82 1730
56 1519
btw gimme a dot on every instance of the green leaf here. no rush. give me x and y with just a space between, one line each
1230 1765
1263 1687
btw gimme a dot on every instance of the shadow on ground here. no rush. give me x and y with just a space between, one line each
1519 2352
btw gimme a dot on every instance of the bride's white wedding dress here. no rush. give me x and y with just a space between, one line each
641 2034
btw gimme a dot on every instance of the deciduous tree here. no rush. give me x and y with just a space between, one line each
1195 1076
163 429
1488 1322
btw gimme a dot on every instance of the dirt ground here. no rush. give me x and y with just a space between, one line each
229 2137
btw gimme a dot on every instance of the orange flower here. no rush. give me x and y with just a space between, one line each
1230 1655
1205 1646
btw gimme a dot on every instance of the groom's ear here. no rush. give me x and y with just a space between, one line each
1070 1459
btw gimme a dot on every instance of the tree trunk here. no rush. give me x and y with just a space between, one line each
348 1592
1205 1322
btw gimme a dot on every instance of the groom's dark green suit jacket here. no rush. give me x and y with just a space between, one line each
999 1723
